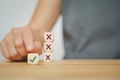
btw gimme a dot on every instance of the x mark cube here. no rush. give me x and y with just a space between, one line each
33 58
48 57
48 46
48 37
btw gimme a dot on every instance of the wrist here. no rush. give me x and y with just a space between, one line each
39 28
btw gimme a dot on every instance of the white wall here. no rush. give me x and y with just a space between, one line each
16 13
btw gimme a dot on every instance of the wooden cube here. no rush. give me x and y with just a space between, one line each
48 47
48 37
48 57
33 58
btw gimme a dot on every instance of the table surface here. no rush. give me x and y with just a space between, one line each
64 69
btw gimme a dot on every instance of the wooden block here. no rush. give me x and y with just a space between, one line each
33 58
48 57
48 47
48 37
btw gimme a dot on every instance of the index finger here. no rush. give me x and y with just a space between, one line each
28 40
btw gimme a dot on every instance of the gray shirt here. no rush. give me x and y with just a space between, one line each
91 29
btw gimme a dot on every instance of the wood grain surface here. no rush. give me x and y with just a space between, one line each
61 70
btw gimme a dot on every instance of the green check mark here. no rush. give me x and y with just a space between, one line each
32 60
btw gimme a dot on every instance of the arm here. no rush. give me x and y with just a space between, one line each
45 15
20 41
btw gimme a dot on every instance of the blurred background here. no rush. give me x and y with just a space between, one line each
17 13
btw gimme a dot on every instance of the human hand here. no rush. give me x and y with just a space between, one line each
19 42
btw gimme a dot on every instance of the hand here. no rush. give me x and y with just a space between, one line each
19 42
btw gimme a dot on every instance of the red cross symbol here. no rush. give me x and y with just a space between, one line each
48 46
47 57
49 36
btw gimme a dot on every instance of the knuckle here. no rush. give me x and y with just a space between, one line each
27 31
14 30
13 53
18 44
6 39
23 53
6 56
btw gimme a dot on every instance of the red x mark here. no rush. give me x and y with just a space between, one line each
49 36
47 57
48 46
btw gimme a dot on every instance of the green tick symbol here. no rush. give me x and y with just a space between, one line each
32 60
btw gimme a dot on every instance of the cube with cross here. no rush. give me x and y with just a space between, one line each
48 57
48 37
48 47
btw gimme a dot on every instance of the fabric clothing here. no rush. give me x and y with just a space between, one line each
91 29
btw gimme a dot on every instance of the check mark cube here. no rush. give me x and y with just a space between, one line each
33 58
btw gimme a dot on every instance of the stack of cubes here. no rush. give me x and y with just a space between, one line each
48 46
33 58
